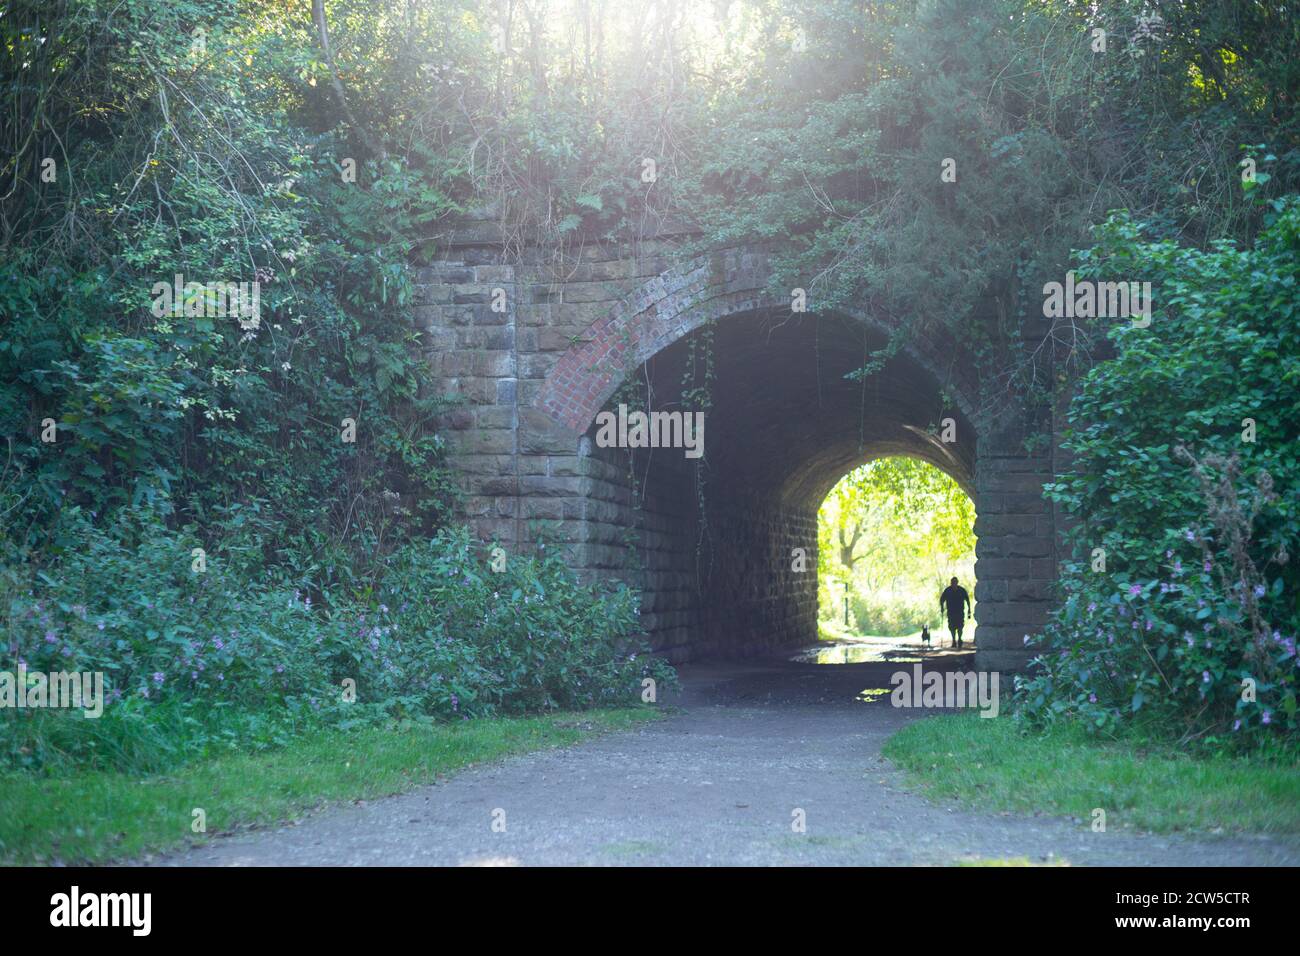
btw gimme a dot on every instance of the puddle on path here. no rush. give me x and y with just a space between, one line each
873 694
874 650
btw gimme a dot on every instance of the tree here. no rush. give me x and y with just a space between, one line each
890 529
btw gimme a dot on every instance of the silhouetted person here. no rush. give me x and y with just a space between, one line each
957 601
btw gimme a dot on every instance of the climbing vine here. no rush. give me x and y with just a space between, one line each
697 396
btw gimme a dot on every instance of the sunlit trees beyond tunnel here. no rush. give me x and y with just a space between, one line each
891 534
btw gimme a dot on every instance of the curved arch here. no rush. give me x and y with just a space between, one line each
817 478
786 421
677 302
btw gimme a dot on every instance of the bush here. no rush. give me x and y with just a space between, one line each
192 661
1185 474
199 663
894 615
447 635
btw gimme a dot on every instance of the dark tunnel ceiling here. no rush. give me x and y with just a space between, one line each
785 421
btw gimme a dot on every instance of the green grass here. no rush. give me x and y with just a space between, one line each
990 765
93 817
836 631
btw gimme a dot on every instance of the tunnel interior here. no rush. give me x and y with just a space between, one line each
723 547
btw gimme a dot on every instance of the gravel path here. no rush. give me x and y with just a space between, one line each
718 783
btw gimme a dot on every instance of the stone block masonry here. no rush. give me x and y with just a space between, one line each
535 351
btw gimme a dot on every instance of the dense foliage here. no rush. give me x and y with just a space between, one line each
197 664
317 149
167 161
1182 602
894 531
298 451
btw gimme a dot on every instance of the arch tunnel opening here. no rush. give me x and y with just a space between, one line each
896 562
724 547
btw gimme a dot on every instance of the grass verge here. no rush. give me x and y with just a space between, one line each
93 817
990 764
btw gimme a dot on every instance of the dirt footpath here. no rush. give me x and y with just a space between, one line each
753 749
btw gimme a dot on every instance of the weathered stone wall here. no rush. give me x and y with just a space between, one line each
535 351
729 590
756 602
643 532
1015 560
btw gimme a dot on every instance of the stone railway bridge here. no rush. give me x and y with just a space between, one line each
537 351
